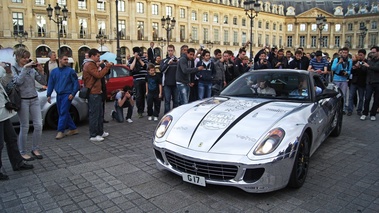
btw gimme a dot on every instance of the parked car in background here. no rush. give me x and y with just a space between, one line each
258 135
118 77
78 110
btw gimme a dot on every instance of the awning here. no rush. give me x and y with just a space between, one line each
43 60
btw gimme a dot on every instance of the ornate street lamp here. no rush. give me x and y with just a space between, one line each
21 36
58 20
118 58
321 22
209 45
168 24
254 7
101 39
363 34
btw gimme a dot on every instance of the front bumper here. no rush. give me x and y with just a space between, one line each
256 176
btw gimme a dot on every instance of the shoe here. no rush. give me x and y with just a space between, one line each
372 118
37 155
363 117
349 113
150 118
27 157
129 120
155 118
72 132
105 121
97 138
22 166
140 115
359 113
3 177
105 134
60 135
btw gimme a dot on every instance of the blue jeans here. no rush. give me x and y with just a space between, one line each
65 121
140 87
95 107
29 108
119 112
204 89
352 94
183 93
343 86
371 89
170 93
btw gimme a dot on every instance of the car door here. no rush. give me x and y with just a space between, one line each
118 77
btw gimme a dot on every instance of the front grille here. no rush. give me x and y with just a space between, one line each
210 171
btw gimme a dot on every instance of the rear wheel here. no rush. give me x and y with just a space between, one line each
301 165
52 116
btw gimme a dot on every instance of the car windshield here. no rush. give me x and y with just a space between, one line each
118 71
271 84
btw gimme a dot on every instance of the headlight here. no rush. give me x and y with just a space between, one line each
163 126
270 142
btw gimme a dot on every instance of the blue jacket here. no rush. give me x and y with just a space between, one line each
63 80
339 68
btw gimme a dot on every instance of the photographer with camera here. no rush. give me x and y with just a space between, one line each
7 132
168 68
279 61
342 68
123 99
138 66
262 63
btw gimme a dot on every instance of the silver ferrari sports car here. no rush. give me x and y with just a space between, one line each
258 135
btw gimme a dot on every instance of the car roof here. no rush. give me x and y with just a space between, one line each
303 72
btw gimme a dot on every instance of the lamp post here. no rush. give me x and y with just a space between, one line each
162 43
254 7
118 57
168 24
101 39
347 43
58 20
363 33
321 22
21 36
209 45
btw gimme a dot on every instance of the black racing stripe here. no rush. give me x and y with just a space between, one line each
237 120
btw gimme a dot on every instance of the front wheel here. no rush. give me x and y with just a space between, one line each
52 116
301 165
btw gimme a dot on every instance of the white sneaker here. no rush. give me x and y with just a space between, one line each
373 118
129 120
105 134
150 118
155 118
363 117
97 138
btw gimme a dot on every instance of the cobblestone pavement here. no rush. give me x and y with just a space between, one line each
120 175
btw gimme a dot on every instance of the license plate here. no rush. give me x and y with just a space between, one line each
194 179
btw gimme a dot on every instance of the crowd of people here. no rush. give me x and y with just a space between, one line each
176 79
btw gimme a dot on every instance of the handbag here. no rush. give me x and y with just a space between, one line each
13 93
85 91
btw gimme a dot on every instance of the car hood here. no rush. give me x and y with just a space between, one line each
226 125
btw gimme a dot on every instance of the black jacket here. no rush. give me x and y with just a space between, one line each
373 71
359 76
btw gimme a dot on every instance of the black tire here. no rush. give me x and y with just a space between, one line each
52 116
337 122
301 165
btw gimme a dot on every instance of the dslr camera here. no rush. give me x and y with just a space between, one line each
11 106
342 73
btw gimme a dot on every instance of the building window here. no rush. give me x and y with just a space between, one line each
63 31
226 20
259 24
289 41
41 25
349 39
140 7
290 27
100 5
101 27
154 9
302 27
235 37
205 34
83 28
155 30
234 20
216 36
350 27
244 40
62 3
121 6
205 17
182 13
122 29
314 27
267 39
267 25
337 41
337 27
374 25
243 22
140 30
302 41
260 40
18 23
82 4
326 27
226 36
194 33
280 27
169 11
16 1
274 40
373 39
280 41
325 41
182 33
313 41
193 16
215 18
274 26
40 2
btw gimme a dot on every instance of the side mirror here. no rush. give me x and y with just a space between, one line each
326 93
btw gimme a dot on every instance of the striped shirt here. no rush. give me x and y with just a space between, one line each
139 72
